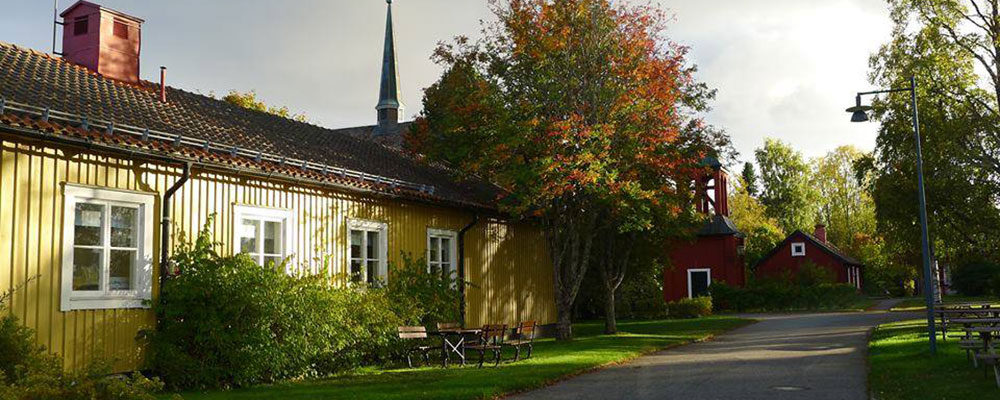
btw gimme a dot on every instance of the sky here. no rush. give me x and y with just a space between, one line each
784 69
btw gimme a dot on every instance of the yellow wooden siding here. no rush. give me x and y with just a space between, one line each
505 262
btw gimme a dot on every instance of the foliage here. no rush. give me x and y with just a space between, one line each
28 371
749 178
977 278
582 112
783 296
423 297
224 321
845 206
249 101
641 293
948 45
785 186
690 308
811 275
550 362
761 232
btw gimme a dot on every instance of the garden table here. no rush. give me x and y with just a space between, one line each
453 342
989 354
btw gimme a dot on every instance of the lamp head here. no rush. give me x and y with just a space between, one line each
859 113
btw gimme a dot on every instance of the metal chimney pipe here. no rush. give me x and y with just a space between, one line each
163 84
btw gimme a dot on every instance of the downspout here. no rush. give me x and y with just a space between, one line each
461 265
165 222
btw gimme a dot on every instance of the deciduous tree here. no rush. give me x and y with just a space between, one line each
581 111
786 189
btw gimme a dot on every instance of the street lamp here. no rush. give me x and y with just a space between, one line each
859 114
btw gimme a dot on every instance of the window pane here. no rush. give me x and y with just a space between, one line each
272 237
248 235
122 265
372 246
123 226
373 272
87 269
435 247
356 273
356 238
89 219
699 283
446 250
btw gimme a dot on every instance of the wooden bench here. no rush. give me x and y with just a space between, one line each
994 360
524 336
490 338
415 333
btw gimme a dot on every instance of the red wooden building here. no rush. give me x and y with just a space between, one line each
716 252
799 247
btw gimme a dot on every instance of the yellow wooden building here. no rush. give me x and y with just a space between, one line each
102 173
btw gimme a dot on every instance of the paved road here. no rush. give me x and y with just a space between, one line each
794 356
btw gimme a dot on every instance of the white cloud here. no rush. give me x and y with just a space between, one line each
784 68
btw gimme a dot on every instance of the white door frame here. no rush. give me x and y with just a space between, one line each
690 270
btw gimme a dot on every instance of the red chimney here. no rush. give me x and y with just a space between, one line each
102 40
820 232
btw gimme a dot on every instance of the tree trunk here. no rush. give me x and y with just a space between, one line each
564 323
610 324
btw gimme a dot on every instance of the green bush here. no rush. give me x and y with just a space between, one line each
977 278
422 297
228 322
27 371
690 308
782 296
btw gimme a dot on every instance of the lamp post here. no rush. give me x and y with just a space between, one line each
859 114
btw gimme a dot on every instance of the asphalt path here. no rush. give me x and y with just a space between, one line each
783 356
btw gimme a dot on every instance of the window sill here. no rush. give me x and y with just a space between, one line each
103 303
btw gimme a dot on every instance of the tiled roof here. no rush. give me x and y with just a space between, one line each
43 81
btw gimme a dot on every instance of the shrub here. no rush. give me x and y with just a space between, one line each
782 296
27 371
690 308
228 322
810 274
422 297
976 278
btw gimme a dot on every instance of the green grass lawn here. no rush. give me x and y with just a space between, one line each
551 361
917 304
902 368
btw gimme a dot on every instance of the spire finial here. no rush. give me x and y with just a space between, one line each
389 106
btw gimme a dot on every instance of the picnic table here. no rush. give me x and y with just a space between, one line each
989 355
453 342
948 315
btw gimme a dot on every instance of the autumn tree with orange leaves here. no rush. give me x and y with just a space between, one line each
587 117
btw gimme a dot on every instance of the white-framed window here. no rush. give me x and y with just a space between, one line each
367 242
798 249
267 235
107 248
699 279
442 252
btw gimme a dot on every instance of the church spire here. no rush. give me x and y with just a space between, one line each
389 106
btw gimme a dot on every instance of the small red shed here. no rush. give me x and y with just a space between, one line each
789 255
716 252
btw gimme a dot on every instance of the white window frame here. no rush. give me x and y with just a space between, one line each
452 236
689 271
802 247
383 252
288 229
142 276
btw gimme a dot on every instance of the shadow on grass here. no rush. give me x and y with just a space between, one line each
552 360
902 367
